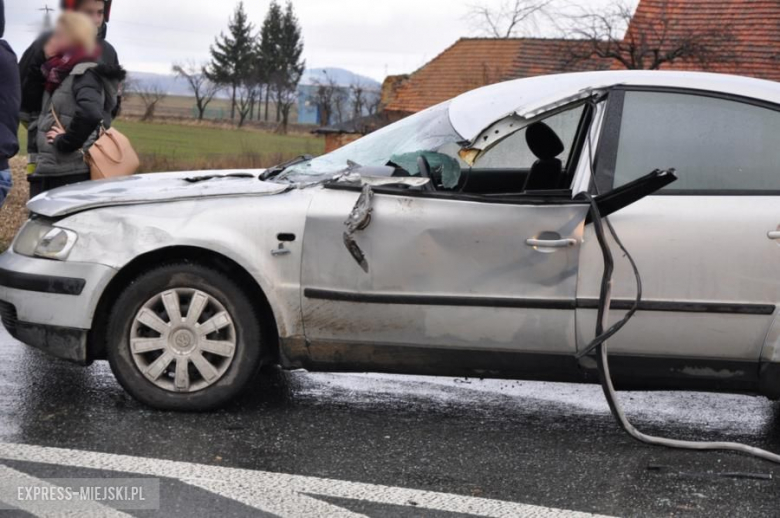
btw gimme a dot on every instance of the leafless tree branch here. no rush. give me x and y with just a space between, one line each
150 94
203 89
328 96
646 43
512 18
247 95
365 100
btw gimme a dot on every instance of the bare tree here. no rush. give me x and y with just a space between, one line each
647 43
358 99
511 18
325 95
204 89
341 105
246 97
150 94
129 88
286 95
373 101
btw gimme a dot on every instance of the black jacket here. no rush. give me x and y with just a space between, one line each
33 81
10 95
94 104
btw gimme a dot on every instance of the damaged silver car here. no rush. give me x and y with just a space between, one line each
457 241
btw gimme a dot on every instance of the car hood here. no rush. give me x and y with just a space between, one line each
152 188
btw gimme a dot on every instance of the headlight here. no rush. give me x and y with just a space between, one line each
41 239
56 244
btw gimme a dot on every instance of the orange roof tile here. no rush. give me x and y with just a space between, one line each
474 62
753 27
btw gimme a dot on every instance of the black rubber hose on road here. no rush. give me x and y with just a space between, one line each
600 345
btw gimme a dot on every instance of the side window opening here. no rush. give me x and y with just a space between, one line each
545 147
537 159
514 151
714 144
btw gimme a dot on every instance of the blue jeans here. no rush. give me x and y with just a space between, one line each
6 182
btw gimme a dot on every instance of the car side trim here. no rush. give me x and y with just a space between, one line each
436 300
41 283
505 302
684 307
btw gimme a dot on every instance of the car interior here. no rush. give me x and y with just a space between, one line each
539 159
547 173
546 160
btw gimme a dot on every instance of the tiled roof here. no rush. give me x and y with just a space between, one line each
474 62
753 27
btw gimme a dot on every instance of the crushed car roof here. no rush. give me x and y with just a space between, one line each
473 111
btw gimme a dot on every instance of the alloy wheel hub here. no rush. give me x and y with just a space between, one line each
183 340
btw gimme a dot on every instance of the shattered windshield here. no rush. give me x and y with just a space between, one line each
422 134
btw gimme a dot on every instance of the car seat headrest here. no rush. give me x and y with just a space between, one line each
543 141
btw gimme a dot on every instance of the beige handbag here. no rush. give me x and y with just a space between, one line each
111 156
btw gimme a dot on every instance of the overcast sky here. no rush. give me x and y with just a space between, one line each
369 37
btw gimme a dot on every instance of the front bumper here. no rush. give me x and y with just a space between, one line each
50 304
62 342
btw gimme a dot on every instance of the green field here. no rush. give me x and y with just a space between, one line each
184 107
177 146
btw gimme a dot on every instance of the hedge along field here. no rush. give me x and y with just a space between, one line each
172 147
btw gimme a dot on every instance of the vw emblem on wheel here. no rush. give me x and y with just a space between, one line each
183 339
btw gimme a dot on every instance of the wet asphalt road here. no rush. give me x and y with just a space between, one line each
544 444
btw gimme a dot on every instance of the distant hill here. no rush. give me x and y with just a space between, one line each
341 76
171 84
175 86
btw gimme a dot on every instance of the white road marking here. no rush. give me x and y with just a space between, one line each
11 480
280 503
279 493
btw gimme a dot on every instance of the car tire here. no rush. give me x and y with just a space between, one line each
209 353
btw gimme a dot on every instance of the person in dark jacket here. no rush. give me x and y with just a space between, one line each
35 56
79 97
10 96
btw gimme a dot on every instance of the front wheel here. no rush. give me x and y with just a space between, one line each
184 337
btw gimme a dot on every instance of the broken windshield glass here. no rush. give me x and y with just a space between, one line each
428 130
443 166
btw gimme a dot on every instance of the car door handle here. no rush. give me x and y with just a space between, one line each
551 243
775 234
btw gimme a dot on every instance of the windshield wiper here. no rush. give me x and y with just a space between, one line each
273 172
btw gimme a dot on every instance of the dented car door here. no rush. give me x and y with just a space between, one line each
450 280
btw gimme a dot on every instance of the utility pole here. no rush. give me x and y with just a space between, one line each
47 16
